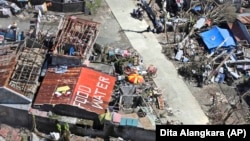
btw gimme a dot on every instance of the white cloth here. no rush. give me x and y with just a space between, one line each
6 11
179 55
14 6
42 7
221 70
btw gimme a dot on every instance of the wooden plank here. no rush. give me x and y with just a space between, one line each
146 123
160 102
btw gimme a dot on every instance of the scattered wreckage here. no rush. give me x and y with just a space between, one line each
219 58
206 43
72 50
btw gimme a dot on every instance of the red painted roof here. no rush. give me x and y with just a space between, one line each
90 89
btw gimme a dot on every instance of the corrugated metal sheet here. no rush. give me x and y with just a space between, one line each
90 89
20 69
239 31
25 77
244 18
7 64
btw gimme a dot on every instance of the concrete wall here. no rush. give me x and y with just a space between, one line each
21 118
15 117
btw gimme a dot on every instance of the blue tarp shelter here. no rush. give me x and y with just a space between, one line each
217 37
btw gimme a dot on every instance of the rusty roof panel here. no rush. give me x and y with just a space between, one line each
89 89
52 81
27 70
244 18
20 69
239 31
7 64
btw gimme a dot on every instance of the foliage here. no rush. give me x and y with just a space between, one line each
93 5
59 127
230 14
215 11
225 12
64 130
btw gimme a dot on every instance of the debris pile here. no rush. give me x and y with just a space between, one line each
205 42
208 41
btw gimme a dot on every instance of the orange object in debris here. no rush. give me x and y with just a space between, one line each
209 22
135 78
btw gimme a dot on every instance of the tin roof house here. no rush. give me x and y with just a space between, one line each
20 69
79 92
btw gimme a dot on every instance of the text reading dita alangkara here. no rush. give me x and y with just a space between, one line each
203 133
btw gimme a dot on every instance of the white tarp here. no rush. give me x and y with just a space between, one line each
6 11
179 55
200 23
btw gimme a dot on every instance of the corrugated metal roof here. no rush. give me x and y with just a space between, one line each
89 89
20 69
239 31
26 73
7 64
244 18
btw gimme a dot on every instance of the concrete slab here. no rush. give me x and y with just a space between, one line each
185 107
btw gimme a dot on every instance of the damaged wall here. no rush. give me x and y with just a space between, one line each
47 125
74 112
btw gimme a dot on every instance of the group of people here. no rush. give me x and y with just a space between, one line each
158 22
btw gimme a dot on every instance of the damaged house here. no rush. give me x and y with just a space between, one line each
56 85
20 70
75 38
83 91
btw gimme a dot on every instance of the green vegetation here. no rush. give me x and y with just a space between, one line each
24 138
93 5
64 131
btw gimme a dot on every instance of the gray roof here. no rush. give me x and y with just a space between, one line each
9 96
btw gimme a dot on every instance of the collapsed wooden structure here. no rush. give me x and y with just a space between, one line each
76 37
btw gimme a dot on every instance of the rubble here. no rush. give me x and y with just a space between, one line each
192 49
206 51
198 55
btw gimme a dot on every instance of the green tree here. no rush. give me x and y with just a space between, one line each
93 5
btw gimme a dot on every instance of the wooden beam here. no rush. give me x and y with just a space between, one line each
239 62
218 67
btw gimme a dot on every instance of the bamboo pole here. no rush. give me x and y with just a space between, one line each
218 67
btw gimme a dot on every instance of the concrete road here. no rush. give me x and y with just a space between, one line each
176 93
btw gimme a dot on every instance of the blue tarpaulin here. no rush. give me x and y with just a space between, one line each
217 37
197 8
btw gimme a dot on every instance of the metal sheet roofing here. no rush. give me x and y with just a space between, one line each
240 31
244 18
82 87
20 69
7 64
